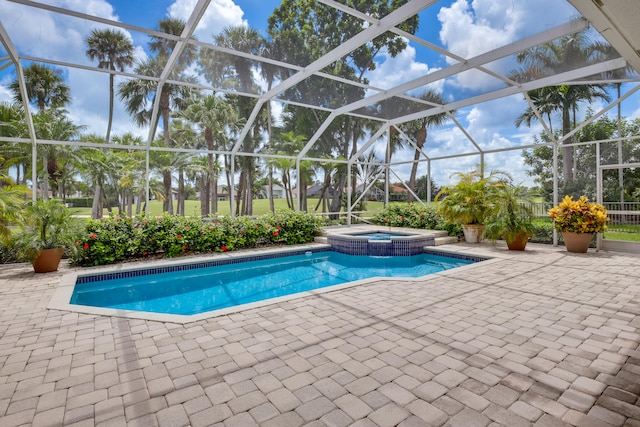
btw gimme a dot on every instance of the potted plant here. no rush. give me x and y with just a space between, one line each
471 201
578 220
512 219
45 235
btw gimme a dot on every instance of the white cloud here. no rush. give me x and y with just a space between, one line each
219 14
391 72
5 93
470 28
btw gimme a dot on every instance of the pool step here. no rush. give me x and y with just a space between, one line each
445 240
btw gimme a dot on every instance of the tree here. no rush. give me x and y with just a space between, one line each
139 94
540 161
301 31
551 58
213 114
114 51
287 144
130 172
13 125
183 136
95 170
54 125
419 128
45 87
225 70
11 201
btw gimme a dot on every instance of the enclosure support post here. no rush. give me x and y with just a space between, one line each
555 188
232 213
598 191
299 192
349 192
429 181
387 161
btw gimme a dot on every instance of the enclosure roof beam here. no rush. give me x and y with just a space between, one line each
484 58
15 58
553 80
371 140
464 131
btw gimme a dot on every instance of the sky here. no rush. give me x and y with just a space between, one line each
465 27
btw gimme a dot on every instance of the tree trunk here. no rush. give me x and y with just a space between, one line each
168 201
181 192
203 185
141 197
421 138
129 203
96 212
336 202
240 192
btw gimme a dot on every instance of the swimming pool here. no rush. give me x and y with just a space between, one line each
198 290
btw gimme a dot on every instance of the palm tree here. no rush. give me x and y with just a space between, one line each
13 125
287 144
551 58
419 128
53 125
182 135
130 175
139 97
223 70
163 47
139 94
95 171
114 51
45 87
213 114
11 201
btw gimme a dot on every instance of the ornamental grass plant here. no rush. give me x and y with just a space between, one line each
579 216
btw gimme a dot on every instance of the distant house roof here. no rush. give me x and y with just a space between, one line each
398 189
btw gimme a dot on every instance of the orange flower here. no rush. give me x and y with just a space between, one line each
579 216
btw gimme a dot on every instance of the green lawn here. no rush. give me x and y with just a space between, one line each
626 237
192 207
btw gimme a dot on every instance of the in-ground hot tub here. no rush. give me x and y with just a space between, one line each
380 243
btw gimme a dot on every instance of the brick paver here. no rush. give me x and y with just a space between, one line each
543 338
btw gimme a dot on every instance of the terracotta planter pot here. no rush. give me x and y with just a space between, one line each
577 242
47 260
472 233
519 242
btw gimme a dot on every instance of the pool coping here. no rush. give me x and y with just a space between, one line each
62 295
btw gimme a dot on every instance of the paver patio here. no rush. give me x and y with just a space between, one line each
544 338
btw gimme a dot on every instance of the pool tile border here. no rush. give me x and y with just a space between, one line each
145 271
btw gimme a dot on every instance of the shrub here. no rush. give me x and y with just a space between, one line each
414 216
117 239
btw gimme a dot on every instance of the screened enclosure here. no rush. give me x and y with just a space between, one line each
329 104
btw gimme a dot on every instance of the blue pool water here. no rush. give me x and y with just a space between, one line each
211 288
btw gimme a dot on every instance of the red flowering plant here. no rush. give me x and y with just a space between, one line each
579 216
110 240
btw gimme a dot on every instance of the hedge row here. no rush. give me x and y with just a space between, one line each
413 215
116 239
